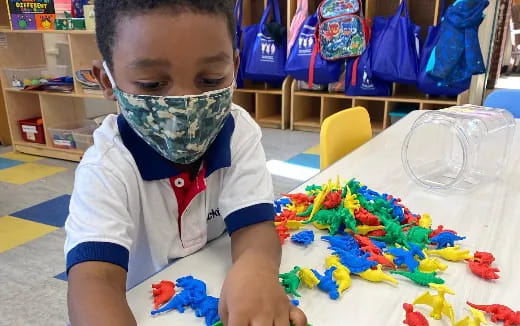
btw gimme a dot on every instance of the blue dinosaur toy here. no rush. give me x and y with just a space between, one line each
403 256
446 239
304 237
280 203
178 302
354 262
208 309
327 283
344 242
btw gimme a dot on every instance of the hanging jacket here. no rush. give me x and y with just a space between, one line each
457 55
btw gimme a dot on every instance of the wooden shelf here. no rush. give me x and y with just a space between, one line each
35 31
259 91
308 124
272 121
48 151
64 94
398 98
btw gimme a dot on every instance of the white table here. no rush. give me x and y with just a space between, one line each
489 217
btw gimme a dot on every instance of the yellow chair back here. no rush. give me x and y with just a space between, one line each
343 132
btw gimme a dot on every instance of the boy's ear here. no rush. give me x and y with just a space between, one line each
236 59
103 80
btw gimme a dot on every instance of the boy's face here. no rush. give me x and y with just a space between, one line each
171 54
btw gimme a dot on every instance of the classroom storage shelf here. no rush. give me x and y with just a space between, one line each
27 48
276 107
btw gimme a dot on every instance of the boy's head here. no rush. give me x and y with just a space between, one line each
166 47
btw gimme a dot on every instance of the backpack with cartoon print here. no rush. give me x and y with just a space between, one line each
342 29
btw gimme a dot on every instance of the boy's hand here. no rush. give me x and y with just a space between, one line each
252 296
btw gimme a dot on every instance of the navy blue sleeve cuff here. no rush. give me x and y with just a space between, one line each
249 215
98 251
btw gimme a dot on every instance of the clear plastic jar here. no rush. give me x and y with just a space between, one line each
459 147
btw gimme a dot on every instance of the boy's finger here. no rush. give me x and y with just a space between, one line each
297 317
237 320
282 318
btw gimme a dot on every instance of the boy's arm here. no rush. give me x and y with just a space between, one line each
259 241
97 295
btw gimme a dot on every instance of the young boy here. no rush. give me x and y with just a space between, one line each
178 167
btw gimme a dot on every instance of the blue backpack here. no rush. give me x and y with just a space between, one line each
342 29
301 54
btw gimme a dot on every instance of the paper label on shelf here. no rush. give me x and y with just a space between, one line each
31 136
3 41
66 143
29 130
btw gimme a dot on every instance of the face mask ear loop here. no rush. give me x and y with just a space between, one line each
109 74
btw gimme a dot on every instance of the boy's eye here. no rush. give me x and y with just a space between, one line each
150 86
211 82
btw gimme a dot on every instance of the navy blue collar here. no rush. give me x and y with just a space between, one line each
153 166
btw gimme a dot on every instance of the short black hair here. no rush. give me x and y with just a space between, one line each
110 12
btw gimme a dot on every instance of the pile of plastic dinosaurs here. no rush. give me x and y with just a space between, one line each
370 235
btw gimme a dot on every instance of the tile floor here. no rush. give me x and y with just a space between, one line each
34 195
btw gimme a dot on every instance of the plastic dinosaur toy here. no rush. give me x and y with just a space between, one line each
377 275
162 293
424 279
342 276
333 260
403 256
283 232
476 319
279 204
429 265
355 263
499 313
414 318
419 235
425 221
451 253
178 302
381 259
484 257
351 202
440 229
291 281
208 309
308 278
482 270
327 283
437 302
304 237
366 229
343 242
446 239
291 224
332 200
366 218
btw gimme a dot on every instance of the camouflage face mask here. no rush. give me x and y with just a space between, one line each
180 128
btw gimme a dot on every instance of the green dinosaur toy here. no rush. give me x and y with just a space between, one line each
419 236
420 278
290 281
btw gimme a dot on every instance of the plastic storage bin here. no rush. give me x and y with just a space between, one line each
83 137
32 130
62 137
16 76
396 116
458 148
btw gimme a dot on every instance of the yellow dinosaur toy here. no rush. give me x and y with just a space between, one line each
377 275
308 278
437 302
451 253
478 318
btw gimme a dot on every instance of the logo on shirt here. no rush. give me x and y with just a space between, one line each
213 213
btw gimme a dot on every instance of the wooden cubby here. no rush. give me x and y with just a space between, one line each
269 105
310 108
27 49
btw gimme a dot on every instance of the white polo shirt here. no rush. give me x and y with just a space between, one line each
133 208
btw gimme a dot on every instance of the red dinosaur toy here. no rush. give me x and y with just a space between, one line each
299 199
332 200
484 257
366 218
483 270
380 259
283 231
440 229
162 293
414 318
500 313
